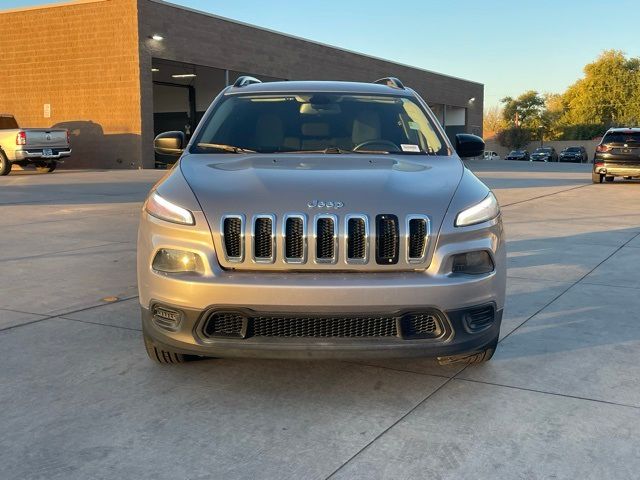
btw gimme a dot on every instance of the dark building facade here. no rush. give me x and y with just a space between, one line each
106 74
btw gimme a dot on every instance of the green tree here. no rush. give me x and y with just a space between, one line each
528 107
609 93
493 122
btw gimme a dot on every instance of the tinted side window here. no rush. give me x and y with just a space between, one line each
8 123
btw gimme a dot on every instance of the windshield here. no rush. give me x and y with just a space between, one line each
318 122
573 149
542 150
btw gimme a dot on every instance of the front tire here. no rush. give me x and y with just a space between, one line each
5 165
597 178
472 358
161 355
609 179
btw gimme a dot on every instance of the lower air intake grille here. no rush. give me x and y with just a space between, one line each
357 239
387 239
263 241
417 237
226 325
244 324
233 237
325 239
323 327
421 325
480 318
294 241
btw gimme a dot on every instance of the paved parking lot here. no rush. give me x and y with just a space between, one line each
80 400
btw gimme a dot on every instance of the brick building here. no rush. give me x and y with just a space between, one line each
117 72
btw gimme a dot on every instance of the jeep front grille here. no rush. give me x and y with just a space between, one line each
326 239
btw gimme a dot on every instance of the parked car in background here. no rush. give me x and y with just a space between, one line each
518 155
574 154
544 154
41 147
618 155
489 155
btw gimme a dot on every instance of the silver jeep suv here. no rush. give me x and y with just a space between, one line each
320 220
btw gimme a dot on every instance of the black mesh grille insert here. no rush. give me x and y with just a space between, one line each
263 247
417 237
323 327
225 325
325 246
294 246
387 239
357 241
422 325
233 236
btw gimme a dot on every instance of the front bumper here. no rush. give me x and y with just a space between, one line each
38 154
456 340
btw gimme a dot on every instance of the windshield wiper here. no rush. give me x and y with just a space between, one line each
224 148
334 150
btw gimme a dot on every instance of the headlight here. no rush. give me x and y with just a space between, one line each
177 261
484 211
165 210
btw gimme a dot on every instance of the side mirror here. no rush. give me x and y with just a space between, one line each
468 145
170 143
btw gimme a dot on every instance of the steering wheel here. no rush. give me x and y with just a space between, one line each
387 143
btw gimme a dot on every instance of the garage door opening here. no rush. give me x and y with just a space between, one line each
182 92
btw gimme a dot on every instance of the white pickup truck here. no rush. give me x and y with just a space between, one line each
41 147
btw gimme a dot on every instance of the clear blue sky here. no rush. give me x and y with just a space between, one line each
510 46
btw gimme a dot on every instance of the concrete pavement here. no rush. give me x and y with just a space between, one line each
80 400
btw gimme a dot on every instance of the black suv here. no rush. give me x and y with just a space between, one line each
518 155
574 154
544 154
618 155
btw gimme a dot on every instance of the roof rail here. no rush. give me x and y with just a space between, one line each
392 82
245 80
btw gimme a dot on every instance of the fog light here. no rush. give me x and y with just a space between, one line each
473 263
177 261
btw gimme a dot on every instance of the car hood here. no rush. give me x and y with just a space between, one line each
252 184
287 183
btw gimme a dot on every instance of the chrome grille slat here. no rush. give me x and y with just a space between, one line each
326 236
263 238
232 231
418 231
357 238
294 233
387 239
